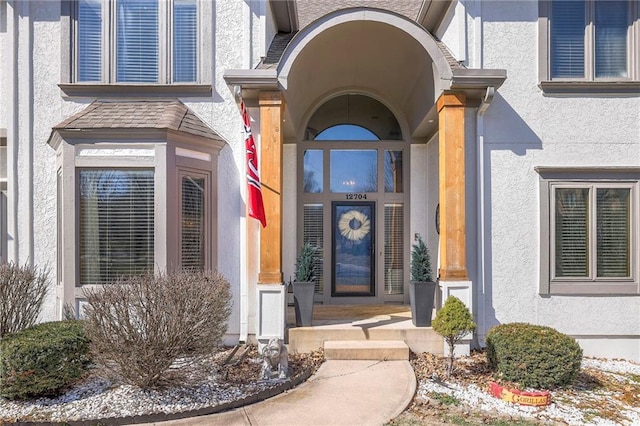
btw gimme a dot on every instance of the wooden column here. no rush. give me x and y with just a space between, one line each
271 139
451 110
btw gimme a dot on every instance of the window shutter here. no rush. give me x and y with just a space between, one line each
89 40
137 41
571 232
567 39
193 221
116 224
185 37
613 221
393 249
313 234
611 38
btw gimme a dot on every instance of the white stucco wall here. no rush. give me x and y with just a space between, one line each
40 106
525 128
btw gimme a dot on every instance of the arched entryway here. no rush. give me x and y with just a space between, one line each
353 200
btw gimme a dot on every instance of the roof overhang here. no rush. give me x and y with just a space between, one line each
286 15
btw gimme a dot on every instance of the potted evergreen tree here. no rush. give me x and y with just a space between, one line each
304 285
422 288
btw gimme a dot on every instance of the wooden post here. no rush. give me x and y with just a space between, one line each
451 110
271 140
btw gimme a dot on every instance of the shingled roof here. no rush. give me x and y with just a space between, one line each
151 114
308 11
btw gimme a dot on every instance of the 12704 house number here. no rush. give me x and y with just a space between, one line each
356 196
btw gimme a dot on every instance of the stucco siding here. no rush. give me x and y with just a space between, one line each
525 128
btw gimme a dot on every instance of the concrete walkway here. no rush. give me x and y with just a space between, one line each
340 393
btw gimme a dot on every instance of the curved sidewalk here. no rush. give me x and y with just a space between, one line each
340 393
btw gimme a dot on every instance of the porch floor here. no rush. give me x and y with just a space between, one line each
361 322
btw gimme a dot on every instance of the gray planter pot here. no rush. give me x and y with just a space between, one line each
303 302
422 296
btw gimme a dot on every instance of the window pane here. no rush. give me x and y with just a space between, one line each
393 249
137 41
393 171
354 170
572 236
89 40
116 224
185 37
313 171
312 233
346 132
567 38
613 232
193 238
611 38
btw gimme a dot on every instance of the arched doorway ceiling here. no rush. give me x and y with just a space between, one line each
363 51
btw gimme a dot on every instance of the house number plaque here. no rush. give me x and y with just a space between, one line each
356 196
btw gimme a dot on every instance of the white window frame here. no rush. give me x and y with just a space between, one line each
592 179
589 82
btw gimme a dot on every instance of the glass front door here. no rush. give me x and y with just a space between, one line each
353 232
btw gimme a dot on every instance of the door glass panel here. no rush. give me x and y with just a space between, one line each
393 249
353 230
312 179
353 170
393 171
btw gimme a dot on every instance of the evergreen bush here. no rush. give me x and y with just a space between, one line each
533 355
22 293
42 360
453 322
420 262
305 270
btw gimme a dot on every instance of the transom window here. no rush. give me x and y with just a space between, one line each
136 41
592 231
591 39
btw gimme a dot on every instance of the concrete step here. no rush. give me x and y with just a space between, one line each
379 350
419 339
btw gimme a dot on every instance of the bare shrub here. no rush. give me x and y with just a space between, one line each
151 330
22 293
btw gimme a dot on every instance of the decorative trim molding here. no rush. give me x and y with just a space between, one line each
134 90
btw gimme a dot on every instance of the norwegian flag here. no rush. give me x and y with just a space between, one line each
254 190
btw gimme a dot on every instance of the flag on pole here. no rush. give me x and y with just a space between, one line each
254 190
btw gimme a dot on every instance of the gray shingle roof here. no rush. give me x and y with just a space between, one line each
151 114
310 10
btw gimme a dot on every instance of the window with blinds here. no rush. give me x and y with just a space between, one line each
589 39
394 249
89 40
193 223
137 41
185 38
592 232
312 233
116 224
142 33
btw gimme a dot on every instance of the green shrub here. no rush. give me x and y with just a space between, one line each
420 262
533 356
42 360
453 322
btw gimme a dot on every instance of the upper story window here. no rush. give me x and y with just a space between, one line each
591 40
136 41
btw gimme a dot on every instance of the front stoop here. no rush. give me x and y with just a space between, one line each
376 350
